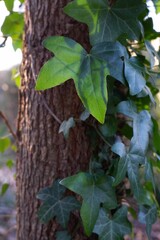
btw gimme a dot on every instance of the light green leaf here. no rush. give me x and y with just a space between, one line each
105 22
63 235
54 205
9 4
66 126
4 144
112 228
88 72
94 191
4 188
134 75
13 27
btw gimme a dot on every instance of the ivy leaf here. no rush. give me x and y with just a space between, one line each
105 22
152 53
134 75
112 228
94 191
13 27
55 205
129 163
142 129
127 108
112 53
63 235
88 72
119 149
65 127
148 216
149 175
4 144
9 4
84 115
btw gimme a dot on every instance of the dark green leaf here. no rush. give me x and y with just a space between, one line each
9 4
112 228
13 27
94 191
4 144
112 53
148 216
134 76
54 205
156 135
149 175
89 73
109 128
4 189
105 22
66 126
63 235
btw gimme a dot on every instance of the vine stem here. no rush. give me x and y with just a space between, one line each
8 125
42 97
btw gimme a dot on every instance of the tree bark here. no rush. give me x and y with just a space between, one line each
43 153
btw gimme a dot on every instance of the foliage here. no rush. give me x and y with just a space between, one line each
113 81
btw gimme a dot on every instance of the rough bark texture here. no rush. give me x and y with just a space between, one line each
43 154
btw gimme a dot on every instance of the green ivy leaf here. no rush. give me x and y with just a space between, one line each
112 228
142 129
134 75
66 126
94 191
13 27
4 144
63 235
148 216
55 204
9 4
105 22
112 53
127 108
89 73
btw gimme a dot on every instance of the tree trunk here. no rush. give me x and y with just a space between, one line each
43 153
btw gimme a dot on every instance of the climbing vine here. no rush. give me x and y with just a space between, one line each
116 83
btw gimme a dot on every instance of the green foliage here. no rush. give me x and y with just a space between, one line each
4 188
112 228
94 189
72 61
9 4
66 126
107 22
115 82
4 144
55 204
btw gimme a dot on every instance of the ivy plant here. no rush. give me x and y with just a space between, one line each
116 84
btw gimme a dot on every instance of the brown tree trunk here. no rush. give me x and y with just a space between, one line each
43 153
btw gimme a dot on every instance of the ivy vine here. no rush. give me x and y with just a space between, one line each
115 82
